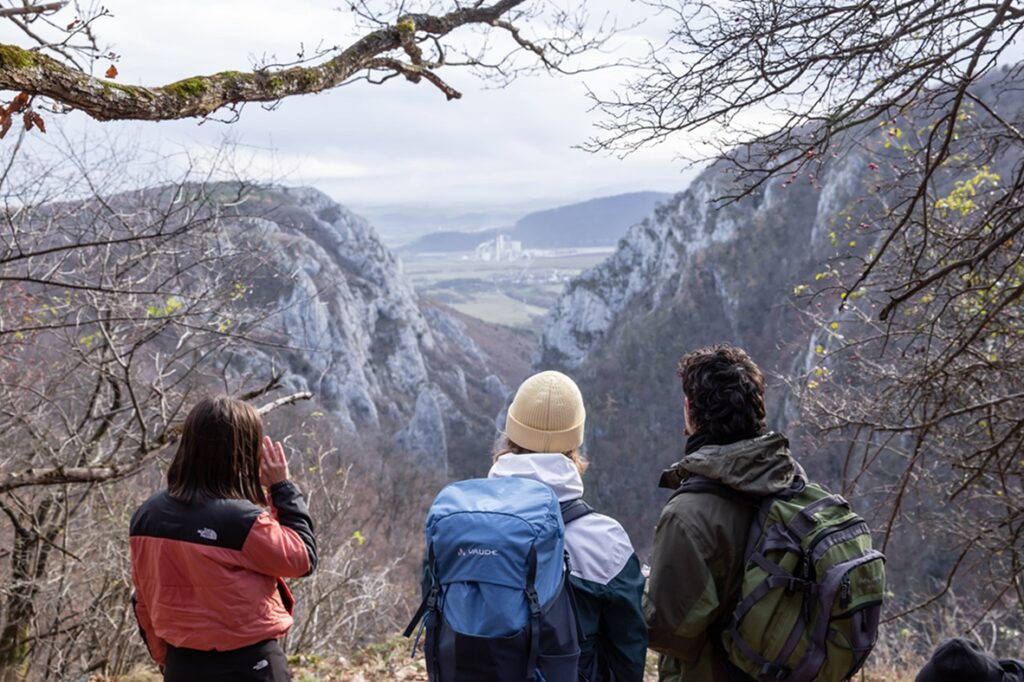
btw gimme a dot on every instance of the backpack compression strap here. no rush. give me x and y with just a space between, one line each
532 674
575 509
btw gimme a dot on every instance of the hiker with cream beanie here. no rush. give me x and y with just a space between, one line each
543 435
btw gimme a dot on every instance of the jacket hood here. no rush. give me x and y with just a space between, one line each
554 469
759 466
962 659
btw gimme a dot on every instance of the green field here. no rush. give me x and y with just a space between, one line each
424 270
516 293
501 309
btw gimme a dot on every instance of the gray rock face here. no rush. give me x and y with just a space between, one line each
355 333
658 258
424 436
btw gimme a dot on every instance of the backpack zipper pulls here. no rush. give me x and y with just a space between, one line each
805 573
844 592
805 566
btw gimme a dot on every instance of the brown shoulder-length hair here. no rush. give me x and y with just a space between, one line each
218 456
505 446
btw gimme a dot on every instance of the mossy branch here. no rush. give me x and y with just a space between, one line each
29 71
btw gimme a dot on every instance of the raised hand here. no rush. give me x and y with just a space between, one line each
273 465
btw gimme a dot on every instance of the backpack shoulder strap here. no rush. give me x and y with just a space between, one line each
1012 669
575 509
702 484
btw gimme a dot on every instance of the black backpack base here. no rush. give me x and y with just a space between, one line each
502 659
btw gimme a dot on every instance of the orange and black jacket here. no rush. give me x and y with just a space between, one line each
208 575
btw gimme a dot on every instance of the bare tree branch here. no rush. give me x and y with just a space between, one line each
32 9
62 475
39 75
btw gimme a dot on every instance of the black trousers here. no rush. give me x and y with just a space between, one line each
262 662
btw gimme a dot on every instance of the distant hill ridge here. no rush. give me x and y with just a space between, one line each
597 222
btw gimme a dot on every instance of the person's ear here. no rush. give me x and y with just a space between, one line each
686 417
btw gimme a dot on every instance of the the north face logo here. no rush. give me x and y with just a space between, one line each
477 551
261 664
207 534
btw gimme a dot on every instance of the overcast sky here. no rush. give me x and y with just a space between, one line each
399 144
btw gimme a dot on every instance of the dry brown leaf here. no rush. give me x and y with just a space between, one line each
19 103
33 118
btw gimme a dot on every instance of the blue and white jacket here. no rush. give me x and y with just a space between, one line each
606 577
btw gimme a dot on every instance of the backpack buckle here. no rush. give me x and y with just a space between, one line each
795 584
533 600
771 671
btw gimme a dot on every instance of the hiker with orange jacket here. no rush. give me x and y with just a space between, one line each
208 556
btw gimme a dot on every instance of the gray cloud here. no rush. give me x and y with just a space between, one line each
377 145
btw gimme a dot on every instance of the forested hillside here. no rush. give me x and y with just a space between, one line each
766 268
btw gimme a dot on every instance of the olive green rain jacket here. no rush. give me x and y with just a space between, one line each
697 566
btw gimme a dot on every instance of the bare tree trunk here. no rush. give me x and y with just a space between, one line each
29 555
18 610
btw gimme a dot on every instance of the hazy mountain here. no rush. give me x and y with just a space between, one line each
399 224
598 222
451 241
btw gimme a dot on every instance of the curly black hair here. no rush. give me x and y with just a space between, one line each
726 392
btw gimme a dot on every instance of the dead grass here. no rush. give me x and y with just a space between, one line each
390 662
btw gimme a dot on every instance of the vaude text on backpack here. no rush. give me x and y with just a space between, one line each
499 608
812 587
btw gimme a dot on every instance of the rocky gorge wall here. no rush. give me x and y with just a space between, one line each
693 273
384 365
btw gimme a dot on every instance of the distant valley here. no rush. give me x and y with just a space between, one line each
598 222
512 276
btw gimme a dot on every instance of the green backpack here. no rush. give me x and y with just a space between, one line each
812 587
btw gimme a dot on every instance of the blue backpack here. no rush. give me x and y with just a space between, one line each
499 607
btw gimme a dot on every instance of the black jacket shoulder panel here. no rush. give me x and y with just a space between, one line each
217 523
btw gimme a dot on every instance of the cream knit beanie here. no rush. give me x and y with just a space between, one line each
547 414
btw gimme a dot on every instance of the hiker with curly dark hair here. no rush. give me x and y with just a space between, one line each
694 576
757 574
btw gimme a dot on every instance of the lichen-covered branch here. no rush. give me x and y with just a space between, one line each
37 74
